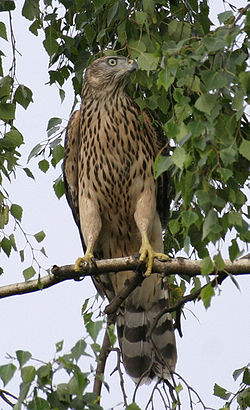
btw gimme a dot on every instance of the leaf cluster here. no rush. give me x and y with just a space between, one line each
242 396
37 389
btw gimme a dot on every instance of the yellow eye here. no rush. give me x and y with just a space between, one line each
112 61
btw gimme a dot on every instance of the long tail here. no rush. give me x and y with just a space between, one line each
147 356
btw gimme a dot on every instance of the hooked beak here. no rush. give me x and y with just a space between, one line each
133 66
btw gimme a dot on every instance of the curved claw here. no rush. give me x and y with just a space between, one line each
146 251
87 258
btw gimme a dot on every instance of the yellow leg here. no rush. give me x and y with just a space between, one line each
146 251
87 258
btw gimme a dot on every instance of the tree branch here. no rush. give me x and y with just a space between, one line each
178 266
105 350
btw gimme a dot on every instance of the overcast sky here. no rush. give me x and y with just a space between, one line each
215 342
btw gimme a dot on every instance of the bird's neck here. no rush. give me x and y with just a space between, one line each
104 93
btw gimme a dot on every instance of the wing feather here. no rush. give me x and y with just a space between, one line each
160 144
70 167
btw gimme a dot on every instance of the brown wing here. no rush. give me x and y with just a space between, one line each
70 167
160 143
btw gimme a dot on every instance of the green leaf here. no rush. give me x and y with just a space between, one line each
205 103
211 220
136 47
29 273
39 404
244 149
133 406
90 33
111 333
94 328
215 42
234 251
219 262
79 349
221 392
12 139
112 12
6 246
16 211
42 250
213 80
59 187
43 165
99 3
50 43
23 96
35 151
40 236
228 155
141 17
243 399
189 217
162 164
77 384
5 87
225 16
57 154
28 374
179 157
28 173
245 81
7 372
206 295
31 9
7 111
62 94
3 32
148 61
165 79
24 389
148 6
7 5
53 122
22 357
59 346
44 374
246 376
12 241
174 226
207 266
238 372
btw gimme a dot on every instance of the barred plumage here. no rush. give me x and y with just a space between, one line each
108 170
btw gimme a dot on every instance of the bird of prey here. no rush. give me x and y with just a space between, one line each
118 206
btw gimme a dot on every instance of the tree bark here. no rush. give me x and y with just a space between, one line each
178 266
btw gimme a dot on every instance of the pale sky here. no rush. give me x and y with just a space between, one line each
215 342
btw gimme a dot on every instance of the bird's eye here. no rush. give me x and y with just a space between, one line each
112 61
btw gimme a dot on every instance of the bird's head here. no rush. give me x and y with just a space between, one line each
109 73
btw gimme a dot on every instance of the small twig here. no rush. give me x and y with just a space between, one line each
118 368
123 294
191 389
150 400
182 301
105 350
242 11
4 393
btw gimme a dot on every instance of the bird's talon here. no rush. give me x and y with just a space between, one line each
87 259
161 256
151 255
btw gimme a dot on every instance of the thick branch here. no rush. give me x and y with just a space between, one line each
178 266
